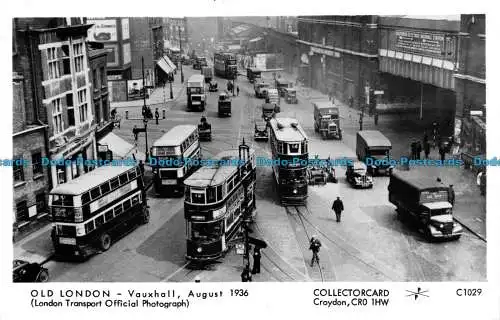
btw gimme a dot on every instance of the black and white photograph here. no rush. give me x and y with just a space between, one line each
308 148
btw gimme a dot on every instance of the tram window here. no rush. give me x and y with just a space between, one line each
105 188
126 204
132 174
206 231
304 147
95 193
135 200
89 226
115 183
62 200
198 197
118 209
294 147
280 147
211 195
85 198
108 215
123 178
99 221
219 193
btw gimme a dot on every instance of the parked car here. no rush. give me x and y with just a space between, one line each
24 271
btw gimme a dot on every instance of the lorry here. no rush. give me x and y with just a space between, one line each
224 104
282 84
196 97
425 202
374 149
273 97
208 73
327 119
261 88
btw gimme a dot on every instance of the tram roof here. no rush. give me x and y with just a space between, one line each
214 175
288 130
175 136
90 180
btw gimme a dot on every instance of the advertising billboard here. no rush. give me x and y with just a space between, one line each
125 29
127 57
103 30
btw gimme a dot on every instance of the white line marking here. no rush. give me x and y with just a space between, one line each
176 272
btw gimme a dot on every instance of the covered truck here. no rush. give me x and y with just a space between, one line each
327 119
373 148
208 73
425 202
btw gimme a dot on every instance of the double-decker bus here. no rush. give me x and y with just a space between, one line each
289 144
225 65
93 210
218 198
174 157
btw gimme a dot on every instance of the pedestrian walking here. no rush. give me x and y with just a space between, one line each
351 102
256 260
481 181
442 152
413 149
314 246
157 115
338 207
237 90
246 276
418 149
451 195
375 118
427 149
134 131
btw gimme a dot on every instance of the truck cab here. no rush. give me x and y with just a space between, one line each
424 202
374 149
327 119
261 89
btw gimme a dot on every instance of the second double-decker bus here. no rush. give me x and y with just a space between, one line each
174 157
93 210
225 65
289 145
218 198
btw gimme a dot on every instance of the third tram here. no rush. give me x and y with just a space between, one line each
174 157
219 197
289 144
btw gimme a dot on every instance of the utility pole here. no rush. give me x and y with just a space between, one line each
146 114
180 48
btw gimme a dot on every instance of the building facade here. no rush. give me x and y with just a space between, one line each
175 31
145 33
114 34
339 54
51 57
470 84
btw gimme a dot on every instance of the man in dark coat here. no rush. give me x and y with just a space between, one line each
418 150
338 207
442 151
256 260
451 195
427 149
157 115
314 246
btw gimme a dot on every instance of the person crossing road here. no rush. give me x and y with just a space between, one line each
314 246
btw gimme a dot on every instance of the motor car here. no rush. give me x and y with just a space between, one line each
24 271
261 132
357 175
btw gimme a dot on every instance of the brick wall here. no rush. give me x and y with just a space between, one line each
140 46
19 115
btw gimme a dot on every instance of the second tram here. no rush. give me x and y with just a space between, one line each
219 197
289 145
225 65
174 157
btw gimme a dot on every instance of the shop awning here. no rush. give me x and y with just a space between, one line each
255 39
120 148
166 65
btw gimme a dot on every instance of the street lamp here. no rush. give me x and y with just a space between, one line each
145 113
180 48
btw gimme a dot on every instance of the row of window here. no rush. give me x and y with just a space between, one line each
109 186
57 110
212 194
22 210
36 165
193 137
54 62
112 213
288 148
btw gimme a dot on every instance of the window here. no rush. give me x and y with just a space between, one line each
198 197
236 179
53 63
108 215
85 198
230 185
78 54
82 105
118 209
65 59
123 179
22 211
304 147
219 193
280 147
126 205
132 174
95 193
135 200
294 147
57 116
41 205
71 109
18 170
105 188
89 226
62 200
211 195
115 183
206 231
36 160
99 221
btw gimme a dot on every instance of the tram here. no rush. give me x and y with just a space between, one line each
289 144
219 198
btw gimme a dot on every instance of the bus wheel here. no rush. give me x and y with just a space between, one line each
105 242
43 276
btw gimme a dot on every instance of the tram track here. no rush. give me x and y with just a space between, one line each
342 245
